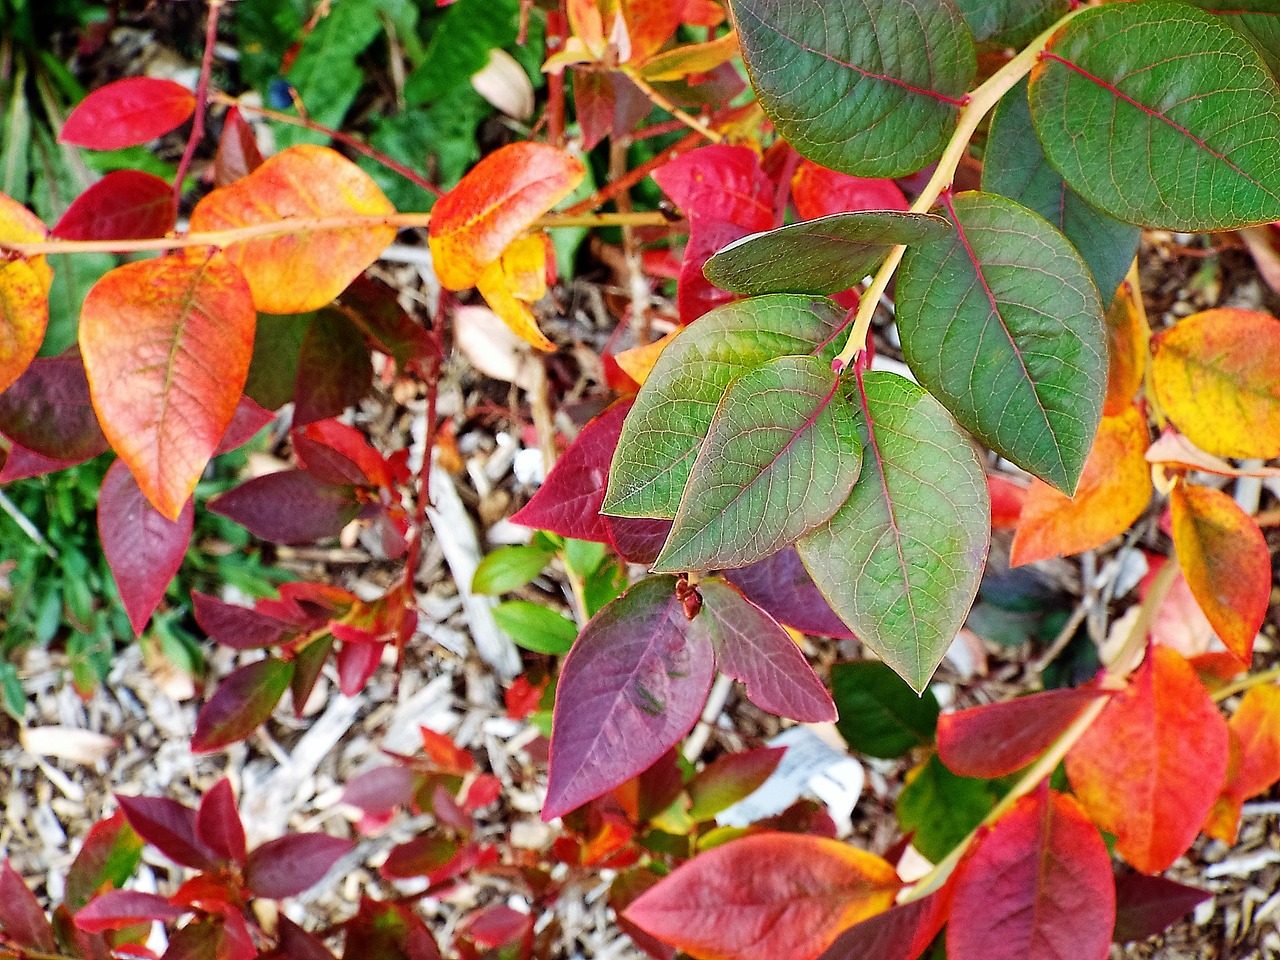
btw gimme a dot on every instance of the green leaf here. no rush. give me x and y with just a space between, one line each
879 714
508 568
12 696
277 346
870 88
1257 20
583 557
673 411
1010 23
1002 323
940 809
460 46
901 560
1162 116
825 255
536 628
780 457
1015 166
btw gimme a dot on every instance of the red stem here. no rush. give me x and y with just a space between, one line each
557 33
202 98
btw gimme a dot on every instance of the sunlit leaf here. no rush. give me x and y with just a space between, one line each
513 281
24 293
127 112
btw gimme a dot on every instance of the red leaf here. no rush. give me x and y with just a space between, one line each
1146 905
1039 887
356 663
444 754
127 112
351 444
1255 727
484 790
996 739
169 827
218 823
1007 498
903 932
568 502
291 506
21 464
238 154
595 106
388 931
766 896
246 423
381 790
123 205
374 307
286 866
522 697
21 917
722 182
166 345
638 541
241 703
781 585
496 926
422 856
237 627
632 686
48 411
819 192
1151 766
117 909
695 294
753 648
143 549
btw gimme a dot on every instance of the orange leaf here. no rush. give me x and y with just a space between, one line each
166 347
1114 489
518 277
637 362
1226 562
24 293
473 223
304 269
766 896
689 59
1217 376
1127 350
650 24
1151 766
1256 728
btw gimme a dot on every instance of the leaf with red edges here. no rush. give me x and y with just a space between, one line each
997 739
1039 887
638 541
781 585
1255 727
291 506
246 423
21 464
387 931
22 918
123 205
48 411
631 687
730 778
766 896
143 549
288 865
1133 768
351 444
218 822
752 647
118 909
166 346
169 827
902 932
127 112
241 703
1226 561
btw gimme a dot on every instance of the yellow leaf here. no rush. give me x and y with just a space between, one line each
637 362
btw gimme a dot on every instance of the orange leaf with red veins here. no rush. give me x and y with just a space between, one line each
305 268
1151 766
166 346
1226 562
517 278
1256 727
1217 377
1114 489
1039 887
1127 350
766 896
24 293
493 204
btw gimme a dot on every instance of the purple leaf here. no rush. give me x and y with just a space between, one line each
327 464
638 541
143 548
218 823
781 585
48 411
294 943
170 827
631 687
237 627
752 647
246 423
286 866
117 909
21 917
379 791
1147 905
289 507
21 463
334 370
242 702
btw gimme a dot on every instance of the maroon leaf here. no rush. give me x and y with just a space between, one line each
218 823
294 943
638 541
1039 887
225 937
781 585
238 154
170 827
334 370
143 548
246 423
632 686
752 647
109 854
351 444
903 932
420 857
373 306
1146 906
286 866
21 917
327 464
117 909
21 464
237 627
123 205
594 104
127 112
289 507
568 502
379 791
996 739
48 411
356 663
388 931
242 702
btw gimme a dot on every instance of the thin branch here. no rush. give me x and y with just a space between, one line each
202 98
696 124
